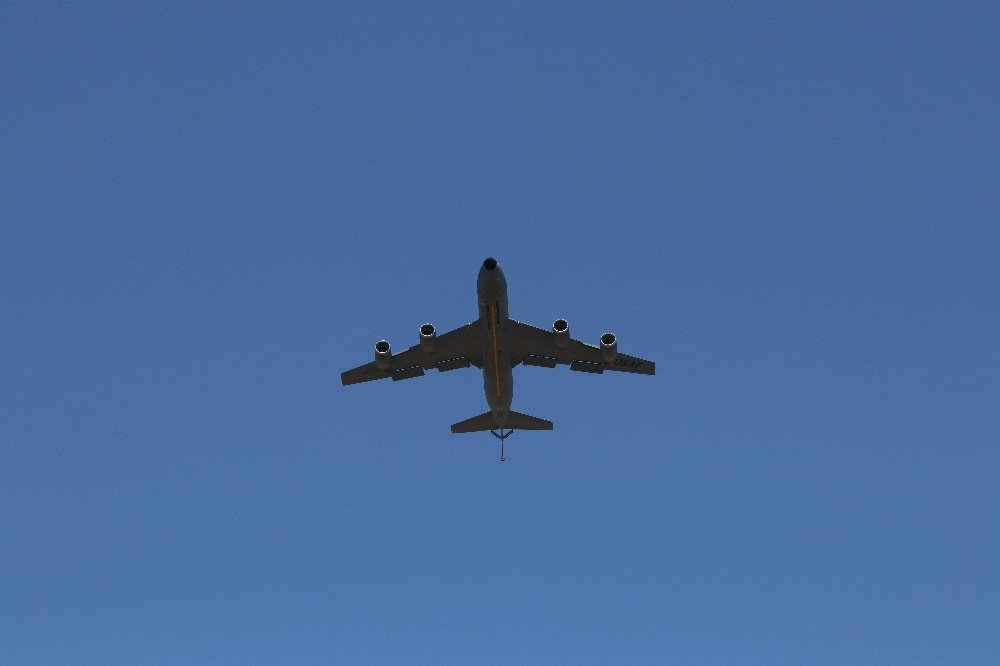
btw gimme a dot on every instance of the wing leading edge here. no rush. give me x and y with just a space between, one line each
535 346
455 349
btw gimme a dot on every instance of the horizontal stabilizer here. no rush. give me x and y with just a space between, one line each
518 421
476 424
515 421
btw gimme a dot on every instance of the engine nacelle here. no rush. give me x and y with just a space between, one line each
427 335
560 330
383 355
609 347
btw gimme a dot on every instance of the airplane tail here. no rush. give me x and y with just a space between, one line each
515 421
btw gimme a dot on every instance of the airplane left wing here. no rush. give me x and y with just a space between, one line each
535 346
455 349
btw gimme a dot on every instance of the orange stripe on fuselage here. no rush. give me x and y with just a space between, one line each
496 350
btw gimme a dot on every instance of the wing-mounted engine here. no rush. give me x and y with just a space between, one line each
427 336
560 330
383 355
609 347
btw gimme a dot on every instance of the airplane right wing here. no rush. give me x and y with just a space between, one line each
455 349
535 346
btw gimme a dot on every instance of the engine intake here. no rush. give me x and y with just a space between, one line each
609 347
383 355
427 336
560 330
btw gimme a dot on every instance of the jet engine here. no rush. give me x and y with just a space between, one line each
427 335
560 330
383 355
609 347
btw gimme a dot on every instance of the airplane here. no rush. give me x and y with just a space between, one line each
496 344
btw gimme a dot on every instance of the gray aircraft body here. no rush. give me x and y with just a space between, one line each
496 344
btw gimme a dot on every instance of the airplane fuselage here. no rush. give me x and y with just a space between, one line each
498 380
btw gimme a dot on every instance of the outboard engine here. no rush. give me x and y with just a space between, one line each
383 355
427 335
609 347
560 330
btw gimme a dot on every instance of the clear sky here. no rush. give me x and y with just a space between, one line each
208 212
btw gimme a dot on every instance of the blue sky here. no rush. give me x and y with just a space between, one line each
208 212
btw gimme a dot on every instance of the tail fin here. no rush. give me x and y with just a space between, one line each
515 421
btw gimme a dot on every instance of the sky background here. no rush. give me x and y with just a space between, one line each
208 212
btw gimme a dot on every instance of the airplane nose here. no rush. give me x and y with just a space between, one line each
491 280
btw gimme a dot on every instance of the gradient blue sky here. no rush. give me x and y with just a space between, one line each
208 212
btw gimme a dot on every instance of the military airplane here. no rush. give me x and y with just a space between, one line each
496 344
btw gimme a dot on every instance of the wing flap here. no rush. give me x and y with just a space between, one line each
407 373
453 364
540 361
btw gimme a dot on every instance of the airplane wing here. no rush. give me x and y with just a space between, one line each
455 349
535 346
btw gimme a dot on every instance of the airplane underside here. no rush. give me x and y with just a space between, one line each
496 344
